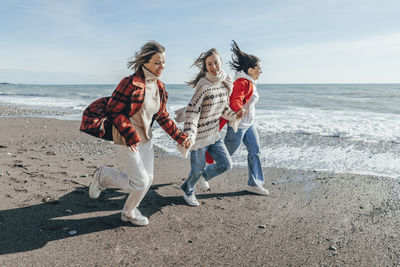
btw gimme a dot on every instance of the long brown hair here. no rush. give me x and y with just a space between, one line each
144 55
200 62
241 60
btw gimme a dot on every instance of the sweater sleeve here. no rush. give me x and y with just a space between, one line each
118 103
193 111
228 113
240 90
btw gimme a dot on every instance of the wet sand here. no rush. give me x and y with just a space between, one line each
309 218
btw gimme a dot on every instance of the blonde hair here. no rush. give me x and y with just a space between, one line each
144 55
200 62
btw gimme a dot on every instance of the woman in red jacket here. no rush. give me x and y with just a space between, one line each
135 104
245 96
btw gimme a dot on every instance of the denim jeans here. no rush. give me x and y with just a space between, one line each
223 162
250 138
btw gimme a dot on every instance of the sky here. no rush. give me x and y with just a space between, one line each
298 41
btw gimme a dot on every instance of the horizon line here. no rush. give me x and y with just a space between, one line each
305 83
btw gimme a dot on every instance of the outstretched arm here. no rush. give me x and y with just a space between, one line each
192 113
170 127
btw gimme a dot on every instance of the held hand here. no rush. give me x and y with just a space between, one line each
133 147
241 113
186 143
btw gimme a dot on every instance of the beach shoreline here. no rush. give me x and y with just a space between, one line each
309 218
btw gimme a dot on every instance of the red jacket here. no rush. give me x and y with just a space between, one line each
126 100
241 93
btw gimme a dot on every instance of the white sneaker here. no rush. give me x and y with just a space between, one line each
259 190
191 200
138 219
204 184
95 188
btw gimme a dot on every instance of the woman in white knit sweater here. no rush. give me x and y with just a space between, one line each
210 101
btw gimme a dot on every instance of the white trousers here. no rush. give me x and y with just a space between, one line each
137 178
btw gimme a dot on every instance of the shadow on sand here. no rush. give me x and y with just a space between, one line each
31 227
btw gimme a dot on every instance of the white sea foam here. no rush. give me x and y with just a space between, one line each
348 124
336 159
333 128
308 139
51 102
332 159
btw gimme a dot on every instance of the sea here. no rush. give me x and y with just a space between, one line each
334 128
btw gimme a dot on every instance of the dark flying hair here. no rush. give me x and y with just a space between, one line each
241 60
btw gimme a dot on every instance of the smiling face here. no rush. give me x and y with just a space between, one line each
156 64
213 64
255 71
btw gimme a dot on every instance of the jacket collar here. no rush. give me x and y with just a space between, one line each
242 74
139 80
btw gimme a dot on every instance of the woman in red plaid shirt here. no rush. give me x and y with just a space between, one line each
135 104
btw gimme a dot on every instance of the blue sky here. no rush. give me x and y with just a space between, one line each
298 41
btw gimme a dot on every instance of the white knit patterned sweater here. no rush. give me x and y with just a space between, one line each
210 101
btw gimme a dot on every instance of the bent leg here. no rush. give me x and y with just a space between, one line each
136 179
134 199
197 164
223 161
232 140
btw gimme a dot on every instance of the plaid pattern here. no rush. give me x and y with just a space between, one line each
126 100
95 121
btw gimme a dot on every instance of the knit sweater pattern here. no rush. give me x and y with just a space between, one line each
210 101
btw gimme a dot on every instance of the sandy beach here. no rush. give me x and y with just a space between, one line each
309 218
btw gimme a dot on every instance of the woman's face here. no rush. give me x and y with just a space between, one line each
213 64
156 64
255 72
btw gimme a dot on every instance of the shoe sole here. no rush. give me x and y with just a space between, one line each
125 219
257 192
191 204
202 187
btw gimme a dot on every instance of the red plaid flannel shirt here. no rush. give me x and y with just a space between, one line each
127 99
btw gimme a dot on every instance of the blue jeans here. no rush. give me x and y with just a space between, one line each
249 136
223 163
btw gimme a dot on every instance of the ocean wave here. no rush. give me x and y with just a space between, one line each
366 126
312 152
